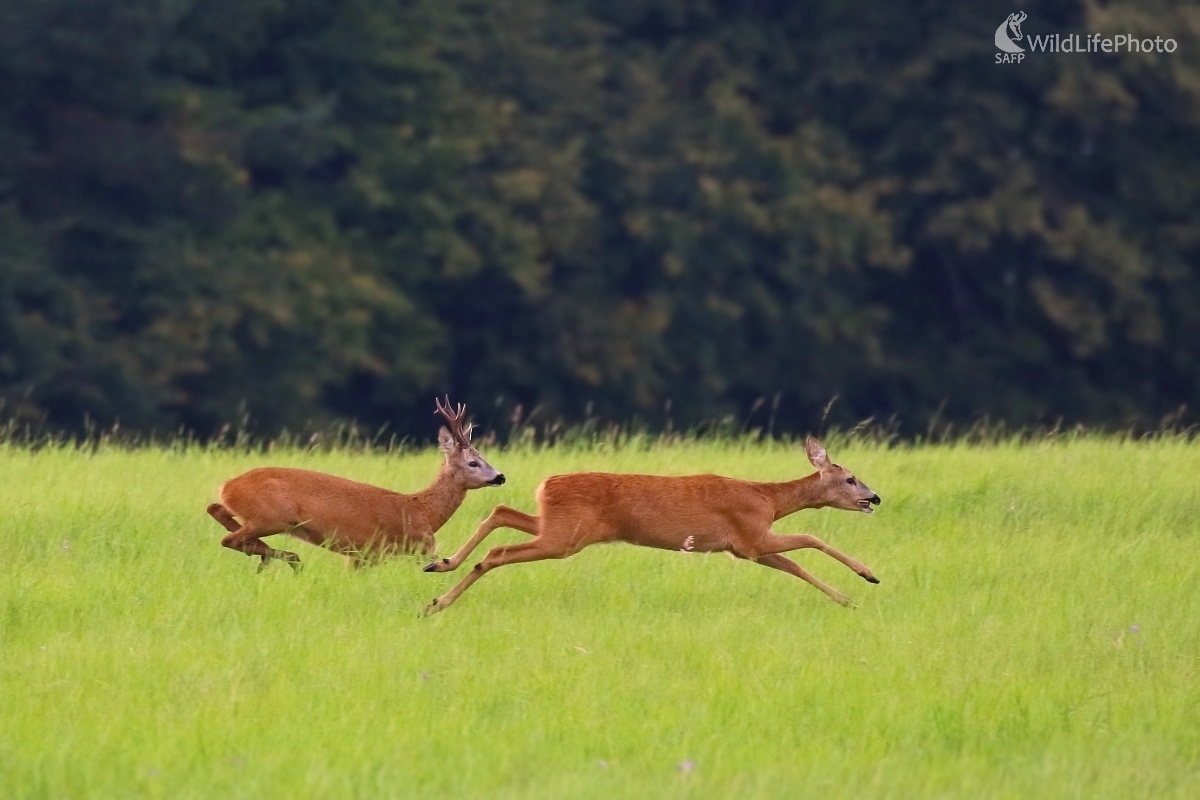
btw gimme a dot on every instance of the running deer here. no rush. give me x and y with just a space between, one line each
361 521
697 513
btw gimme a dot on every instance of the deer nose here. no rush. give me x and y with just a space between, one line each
498 480
874 500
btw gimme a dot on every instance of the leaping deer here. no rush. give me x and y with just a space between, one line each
698 513
356 519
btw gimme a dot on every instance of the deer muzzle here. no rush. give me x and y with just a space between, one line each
866 504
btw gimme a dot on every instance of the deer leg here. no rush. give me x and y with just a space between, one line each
537 550
501 517
774 543
223 515
785 564
246 539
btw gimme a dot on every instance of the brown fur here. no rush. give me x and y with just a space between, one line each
356 519
697 513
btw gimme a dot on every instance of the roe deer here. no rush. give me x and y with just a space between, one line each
356 519
700 513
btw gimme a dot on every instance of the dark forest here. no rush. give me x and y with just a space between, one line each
282 215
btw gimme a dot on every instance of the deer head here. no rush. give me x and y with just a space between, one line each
1014 21
845 491
461 458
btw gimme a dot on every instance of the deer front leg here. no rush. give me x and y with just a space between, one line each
785 564
501 517
775 543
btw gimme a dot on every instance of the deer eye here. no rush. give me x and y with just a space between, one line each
851 481
472 463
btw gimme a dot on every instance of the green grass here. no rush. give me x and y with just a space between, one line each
1036 634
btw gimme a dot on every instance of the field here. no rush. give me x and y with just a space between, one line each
1036 633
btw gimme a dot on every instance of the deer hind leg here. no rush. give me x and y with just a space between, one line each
785 564
537 550
247 539
782 544
501 517
223 515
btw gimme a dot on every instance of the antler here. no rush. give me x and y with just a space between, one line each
454 420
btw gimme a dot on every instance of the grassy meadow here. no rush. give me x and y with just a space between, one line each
1036 633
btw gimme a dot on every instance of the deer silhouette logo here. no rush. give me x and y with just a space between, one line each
1009 43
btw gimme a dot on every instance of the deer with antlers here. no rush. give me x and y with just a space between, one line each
696 513
361 521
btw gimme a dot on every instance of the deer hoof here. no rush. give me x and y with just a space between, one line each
871 579
433 566
432 608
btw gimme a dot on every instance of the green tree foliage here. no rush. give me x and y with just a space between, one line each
295 212
1050 208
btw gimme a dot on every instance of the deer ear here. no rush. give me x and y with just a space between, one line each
816 453
446 442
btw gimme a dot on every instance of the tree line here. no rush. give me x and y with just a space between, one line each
281 214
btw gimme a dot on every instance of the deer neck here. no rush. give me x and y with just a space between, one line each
791 496
439 502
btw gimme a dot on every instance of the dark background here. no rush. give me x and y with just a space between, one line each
280 214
